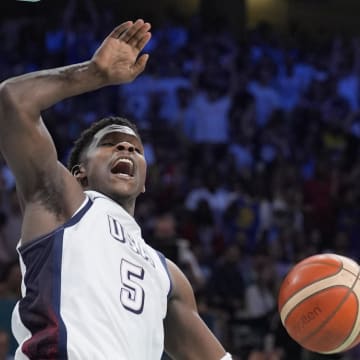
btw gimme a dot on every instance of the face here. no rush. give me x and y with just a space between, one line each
115 164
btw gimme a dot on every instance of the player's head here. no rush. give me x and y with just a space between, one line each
109 157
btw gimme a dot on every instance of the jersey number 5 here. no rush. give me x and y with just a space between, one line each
132 295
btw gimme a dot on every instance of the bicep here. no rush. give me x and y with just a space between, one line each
186 334
41 180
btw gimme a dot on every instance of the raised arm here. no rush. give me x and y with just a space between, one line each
49 192
186 335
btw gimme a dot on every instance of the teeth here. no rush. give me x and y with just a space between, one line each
125 160
130 166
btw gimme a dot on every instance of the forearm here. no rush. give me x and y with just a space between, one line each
187 336
39 90
116 61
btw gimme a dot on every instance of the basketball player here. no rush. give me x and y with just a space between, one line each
92 288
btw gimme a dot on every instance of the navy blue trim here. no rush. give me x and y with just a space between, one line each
39 309
77 217
72 221
163 261
57 258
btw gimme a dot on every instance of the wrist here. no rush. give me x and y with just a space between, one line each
98 74
227 356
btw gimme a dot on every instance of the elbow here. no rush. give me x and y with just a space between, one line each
13 101
8 98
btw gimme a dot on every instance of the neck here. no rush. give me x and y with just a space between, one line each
127 203
128 206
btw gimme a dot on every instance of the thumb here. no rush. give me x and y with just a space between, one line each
140 64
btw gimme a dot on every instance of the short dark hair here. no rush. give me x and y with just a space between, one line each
87 135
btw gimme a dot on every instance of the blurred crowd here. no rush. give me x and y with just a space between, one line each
252 144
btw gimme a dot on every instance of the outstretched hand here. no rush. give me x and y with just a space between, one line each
117 59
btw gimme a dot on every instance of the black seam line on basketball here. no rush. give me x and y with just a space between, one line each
329 264
311 283
315 281
312 294
357 311
307 338
339 269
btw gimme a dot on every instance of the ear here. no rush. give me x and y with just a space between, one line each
79 172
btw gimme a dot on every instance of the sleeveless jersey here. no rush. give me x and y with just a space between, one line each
92 290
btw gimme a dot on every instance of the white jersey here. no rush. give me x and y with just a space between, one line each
92 290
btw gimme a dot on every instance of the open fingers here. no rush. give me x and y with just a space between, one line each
135 33
141 35
143 41
133 29
121 29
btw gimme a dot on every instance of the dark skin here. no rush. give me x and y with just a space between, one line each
50 194
95 169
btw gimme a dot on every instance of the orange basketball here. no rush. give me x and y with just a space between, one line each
319 303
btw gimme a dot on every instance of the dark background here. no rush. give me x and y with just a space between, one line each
313 15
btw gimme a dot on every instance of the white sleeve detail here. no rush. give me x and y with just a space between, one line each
227 356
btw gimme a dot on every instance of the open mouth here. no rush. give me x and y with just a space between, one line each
123 166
